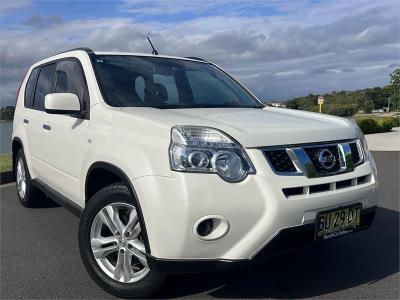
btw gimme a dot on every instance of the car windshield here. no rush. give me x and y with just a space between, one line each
142 81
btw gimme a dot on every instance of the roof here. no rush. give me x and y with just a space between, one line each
148 55
90 51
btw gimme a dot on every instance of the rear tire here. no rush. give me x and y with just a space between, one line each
28 195
111 245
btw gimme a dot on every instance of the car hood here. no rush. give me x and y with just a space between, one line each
254 127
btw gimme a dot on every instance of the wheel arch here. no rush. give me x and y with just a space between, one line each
117 175
16 145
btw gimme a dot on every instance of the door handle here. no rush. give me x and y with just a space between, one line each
46 127
26 121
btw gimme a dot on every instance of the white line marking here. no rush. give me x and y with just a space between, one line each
7 185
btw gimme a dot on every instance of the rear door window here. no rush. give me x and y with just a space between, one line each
30 87
44 85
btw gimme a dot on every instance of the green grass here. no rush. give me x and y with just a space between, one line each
5 162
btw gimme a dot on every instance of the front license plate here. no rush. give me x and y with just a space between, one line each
337 222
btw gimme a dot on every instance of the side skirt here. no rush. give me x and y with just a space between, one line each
58 198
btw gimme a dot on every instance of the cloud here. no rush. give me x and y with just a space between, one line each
10 5
302 48
38 21
179 7
348 70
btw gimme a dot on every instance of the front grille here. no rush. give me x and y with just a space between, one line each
313 154
343 184
315 160
319 188
280 161
304 191
355 154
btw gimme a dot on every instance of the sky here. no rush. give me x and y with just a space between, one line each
280 49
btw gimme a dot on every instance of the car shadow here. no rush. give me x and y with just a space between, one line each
44 201
350 261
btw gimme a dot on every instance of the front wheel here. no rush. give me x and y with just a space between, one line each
112 245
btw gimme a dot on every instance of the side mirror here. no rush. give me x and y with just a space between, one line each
62 103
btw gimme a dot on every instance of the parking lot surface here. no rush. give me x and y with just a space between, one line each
40 258
388 141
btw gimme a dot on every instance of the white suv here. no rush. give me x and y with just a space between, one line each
174 166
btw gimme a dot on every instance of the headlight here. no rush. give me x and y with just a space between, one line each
208 150
363 141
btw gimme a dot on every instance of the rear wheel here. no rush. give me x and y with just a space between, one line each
28 195
112 245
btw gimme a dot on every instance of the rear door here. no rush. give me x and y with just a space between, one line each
66 142
37 132
23 116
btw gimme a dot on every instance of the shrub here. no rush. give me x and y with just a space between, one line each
368 125
373 125
341 110
396 121
385 124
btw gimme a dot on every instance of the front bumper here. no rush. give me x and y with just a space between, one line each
257 210
286 240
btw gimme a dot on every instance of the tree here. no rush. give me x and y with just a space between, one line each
395 102
395 78
368 106
347 103
7 113
394 99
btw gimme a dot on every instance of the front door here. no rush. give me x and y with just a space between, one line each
67 140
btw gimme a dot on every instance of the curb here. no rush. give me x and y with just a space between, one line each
6 177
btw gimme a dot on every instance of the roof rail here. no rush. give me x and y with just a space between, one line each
86 49
196 58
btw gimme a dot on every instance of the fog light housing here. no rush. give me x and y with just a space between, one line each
205 227
211 228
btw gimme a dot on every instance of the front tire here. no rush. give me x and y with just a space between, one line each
111 244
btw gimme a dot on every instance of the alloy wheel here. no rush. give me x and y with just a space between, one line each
21 178
117 243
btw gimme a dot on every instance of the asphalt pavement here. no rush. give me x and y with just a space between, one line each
40 258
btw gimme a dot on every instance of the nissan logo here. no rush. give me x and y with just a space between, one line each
326 159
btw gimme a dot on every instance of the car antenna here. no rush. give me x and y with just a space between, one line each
151 44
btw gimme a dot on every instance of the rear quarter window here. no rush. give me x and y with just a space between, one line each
30 87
